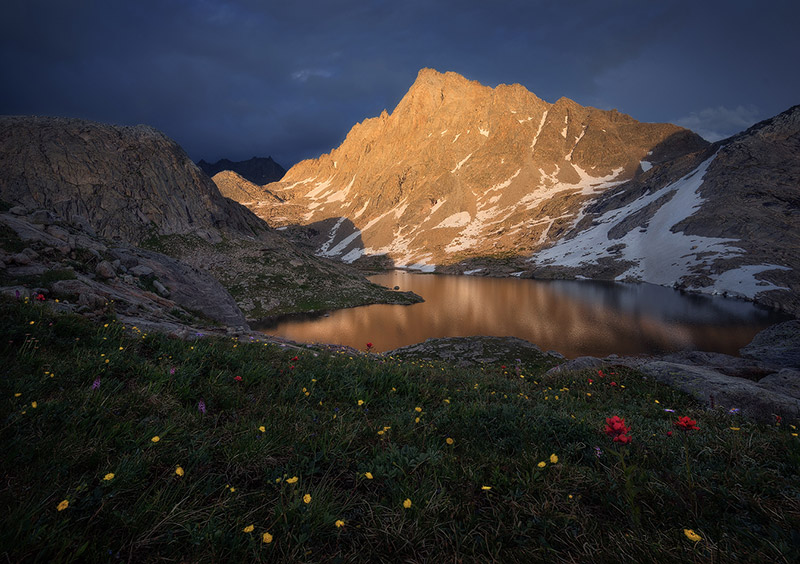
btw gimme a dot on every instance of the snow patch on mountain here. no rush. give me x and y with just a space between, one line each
659 254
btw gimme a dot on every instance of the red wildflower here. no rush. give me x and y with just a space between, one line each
616 429
613 383
590 380
777 419
369 346
686 424
669 433
600 373
237 378
40 297
295 359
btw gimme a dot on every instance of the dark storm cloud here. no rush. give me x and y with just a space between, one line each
289 79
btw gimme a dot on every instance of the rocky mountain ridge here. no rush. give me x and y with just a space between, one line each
468 179
459 170
258 170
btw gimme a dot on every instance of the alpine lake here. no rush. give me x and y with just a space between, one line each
575 318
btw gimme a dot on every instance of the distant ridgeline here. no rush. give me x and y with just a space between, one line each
257 170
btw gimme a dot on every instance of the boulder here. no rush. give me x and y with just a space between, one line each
760 402
778 345
105 269
141 271
41 217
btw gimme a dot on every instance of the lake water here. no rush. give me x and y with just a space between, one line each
575 318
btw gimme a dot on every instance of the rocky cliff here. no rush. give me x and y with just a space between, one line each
125 182
257 170
135 187
461 170
723 220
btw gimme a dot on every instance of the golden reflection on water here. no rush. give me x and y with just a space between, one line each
573 318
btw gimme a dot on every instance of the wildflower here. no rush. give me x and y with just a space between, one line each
155 439
307 498
339 523
598 451
486 488
542 464
446 400
266 538
691 535
407 503
418 409
360 402
295 358
201 407
368 475
96 383
670 410
237 378
18 394
369 346
262 429
292 480
733 410
416 420
669 433
735 428
248 529
616 428
172 371
63 505
686 424
449 441
778 419
179 471
553 459
108 477
34 405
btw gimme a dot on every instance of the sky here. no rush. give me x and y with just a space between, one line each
242 78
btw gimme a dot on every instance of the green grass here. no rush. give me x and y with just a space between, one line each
743 498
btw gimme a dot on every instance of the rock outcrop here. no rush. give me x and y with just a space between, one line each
127 183
257 170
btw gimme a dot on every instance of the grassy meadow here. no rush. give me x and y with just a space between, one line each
121 446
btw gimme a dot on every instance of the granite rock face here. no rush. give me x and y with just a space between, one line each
127 182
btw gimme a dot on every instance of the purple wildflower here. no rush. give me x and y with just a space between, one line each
96 383
201 407
598 451
733 410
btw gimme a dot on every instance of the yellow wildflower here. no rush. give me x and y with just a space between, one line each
368 475
248 529
553 459
339 523
360 402
446 400
691 535
307 498
266 538
542 464
63 505
34 405
416 420
17 394
407 503
449 441
735 428
292 480
179 471
262 429
108 477
155 439
418 409
487 488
